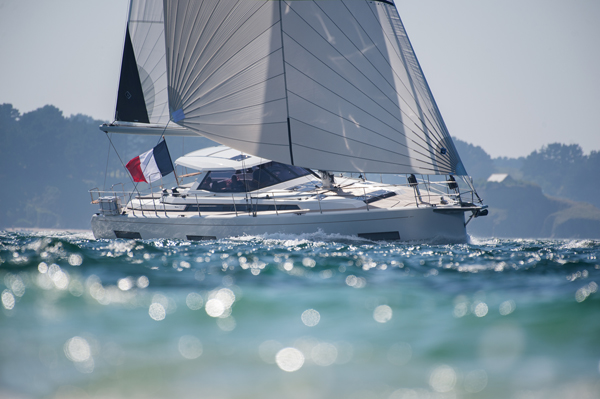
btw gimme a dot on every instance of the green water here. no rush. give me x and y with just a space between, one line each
311 316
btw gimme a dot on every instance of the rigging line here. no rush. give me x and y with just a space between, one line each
128 174
187 94
361 142
106 170
358 89
358 69
178 43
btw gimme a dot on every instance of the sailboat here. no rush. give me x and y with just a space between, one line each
306 99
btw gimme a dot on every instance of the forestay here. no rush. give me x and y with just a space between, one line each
331 85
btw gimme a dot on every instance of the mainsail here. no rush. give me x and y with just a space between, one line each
331 85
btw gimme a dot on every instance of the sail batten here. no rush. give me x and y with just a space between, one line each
330 85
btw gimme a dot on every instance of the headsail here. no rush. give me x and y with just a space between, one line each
330 85
142 99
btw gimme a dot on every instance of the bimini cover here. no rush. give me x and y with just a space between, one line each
219 158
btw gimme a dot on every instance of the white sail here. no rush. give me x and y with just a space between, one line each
143 95
332 85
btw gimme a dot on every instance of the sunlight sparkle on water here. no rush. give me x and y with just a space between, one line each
194 301
324 354
289 359
157 311
214 307
142 282
476 381
443 379
8 300
77 349
75 260
507 307
480 309
382 314
226 323
268 350
190 347
310 317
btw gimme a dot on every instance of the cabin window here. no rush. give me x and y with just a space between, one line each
250 179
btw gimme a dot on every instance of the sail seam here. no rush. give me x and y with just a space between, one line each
352 84
373 160
433 122
211 90
237 109
398 95
187 94
430 117
238 139
185 76
364 143
416 98
368 113
400 56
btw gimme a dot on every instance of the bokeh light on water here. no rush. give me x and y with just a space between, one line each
297 316
289 359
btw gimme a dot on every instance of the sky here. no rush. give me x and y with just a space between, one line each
510 76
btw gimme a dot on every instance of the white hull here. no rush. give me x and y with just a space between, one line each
408 224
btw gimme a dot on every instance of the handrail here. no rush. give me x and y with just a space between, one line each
136 201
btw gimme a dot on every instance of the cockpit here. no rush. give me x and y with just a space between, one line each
250 179
228 170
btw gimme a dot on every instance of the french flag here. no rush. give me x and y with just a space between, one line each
151 165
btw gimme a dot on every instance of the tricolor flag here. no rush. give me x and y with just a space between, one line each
151 165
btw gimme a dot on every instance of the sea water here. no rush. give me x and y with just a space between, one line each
315 316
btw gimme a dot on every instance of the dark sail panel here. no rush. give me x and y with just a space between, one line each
131 106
